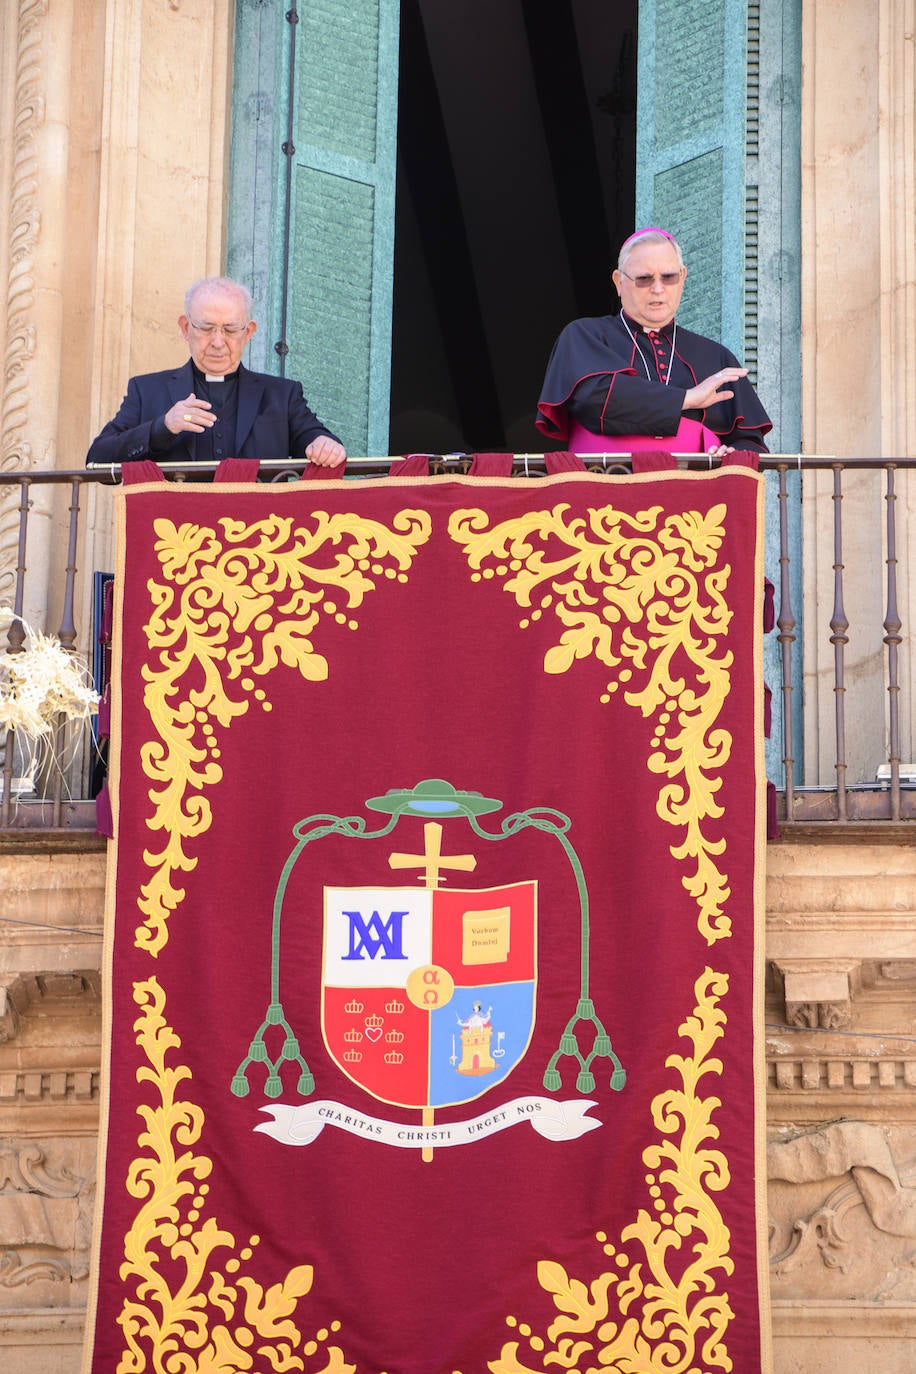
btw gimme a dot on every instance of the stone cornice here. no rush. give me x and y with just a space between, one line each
813 1316
70 990
49 1086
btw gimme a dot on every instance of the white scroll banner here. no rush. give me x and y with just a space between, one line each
554 1120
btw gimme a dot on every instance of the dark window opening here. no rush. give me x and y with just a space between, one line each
515 188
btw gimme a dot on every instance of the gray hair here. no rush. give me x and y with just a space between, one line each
647 236
218 284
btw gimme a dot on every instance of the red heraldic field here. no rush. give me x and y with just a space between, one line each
434 936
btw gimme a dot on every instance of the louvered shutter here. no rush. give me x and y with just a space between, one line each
690 159
319 215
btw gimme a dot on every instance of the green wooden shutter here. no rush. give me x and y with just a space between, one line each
719 164
255 231
774 177
690 151
316 95
773 261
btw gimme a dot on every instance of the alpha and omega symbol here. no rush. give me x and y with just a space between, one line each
430 987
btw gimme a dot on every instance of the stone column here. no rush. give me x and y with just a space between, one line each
114 121
858 285
30 133
897 210
47 126
164 132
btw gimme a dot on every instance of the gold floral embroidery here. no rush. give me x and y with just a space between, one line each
189 1303
236 601
643 1315
643 594
658 1308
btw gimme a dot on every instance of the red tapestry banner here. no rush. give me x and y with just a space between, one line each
434 941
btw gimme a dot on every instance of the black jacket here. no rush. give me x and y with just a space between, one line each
273 420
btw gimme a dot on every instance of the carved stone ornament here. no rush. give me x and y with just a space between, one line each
45 1224
19 992
843 1215
819 992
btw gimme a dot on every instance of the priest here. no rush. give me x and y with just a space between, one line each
637 380
213 407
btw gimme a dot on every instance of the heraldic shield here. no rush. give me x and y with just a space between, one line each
428 996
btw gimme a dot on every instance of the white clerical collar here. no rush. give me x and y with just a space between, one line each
667 329
209 378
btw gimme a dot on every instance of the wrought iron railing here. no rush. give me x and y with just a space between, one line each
63 801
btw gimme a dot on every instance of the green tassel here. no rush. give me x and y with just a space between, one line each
273 1087
585 1082
552 1080
306 1082
240 1085
618 1079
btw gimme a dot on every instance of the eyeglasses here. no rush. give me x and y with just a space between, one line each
228 331
646 279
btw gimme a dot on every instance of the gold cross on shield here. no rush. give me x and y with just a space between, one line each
432 859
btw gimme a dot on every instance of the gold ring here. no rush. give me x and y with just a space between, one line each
186 417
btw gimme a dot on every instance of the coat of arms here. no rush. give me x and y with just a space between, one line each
429 993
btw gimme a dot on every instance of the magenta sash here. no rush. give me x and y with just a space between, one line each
691 437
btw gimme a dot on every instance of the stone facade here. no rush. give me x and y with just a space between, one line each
841 1105
114 118
858 351
51 908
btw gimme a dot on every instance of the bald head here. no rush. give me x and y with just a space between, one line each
221 286
647 236
217 323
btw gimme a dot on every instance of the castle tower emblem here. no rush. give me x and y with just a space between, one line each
476 1034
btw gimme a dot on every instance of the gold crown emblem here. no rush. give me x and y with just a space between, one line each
354 1008
353 1036
374 1022
353 1056
394 1007
394 1038
394 1057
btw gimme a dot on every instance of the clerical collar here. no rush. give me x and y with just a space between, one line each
659 342
667 329
210 377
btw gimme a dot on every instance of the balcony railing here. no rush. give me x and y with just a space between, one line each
840 667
